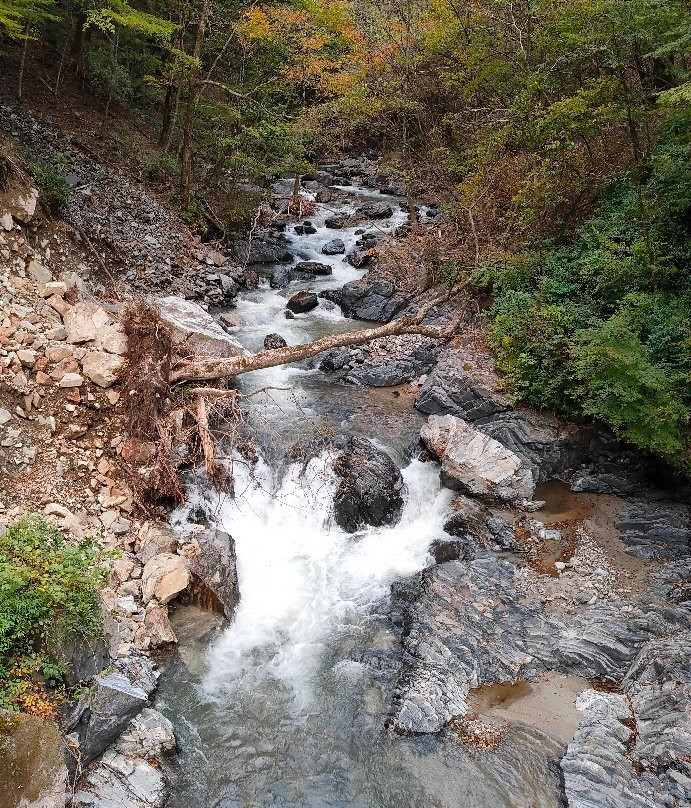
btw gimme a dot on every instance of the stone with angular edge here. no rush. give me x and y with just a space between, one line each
196 330
164 577
102 368
474 463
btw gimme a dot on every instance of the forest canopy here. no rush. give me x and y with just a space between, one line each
555 135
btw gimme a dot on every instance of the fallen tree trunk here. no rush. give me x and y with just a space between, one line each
199 368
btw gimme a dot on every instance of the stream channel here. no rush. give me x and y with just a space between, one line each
273 709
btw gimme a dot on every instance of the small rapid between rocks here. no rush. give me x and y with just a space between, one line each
276 709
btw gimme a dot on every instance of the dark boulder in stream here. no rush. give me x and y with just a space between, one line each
273 341
334 247
302 302
371 487
376 300
312 268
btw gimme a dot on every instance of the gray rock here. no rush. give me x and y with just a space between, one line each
260 252
313 268
149 735
376 300
337 221
376 210
371 487
602 642
474 463
196 330
118 782
281 277
113 703
214 583
334 247
656 528
453 643
273 341
460 386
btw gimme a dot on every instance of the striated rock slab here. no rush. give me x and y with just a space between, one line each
656 528
118 782
463 626
367 300
460 385
602 642
474 463
600 767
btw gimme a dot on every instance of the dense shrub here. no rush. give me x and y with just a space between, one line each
48 594
601 326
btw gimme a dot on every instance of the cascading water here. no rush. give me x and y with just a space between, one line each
275 710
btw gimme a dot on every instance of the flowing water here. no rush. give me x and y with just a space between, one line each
274 709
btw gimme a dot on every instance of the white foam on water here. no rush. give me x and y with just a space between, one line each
302 579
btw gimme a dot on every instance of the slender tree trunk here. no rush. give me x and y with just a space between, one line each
193 84
22 64
58 78
167 115
296 189
78 37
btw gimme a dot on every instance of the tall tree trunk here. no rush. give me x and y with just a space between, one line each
78 37
193 84
22 64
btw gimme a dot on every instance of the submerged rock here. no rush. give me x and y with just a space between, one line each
475 463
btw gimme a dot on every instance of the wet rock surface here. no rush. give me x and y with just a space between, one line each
367 300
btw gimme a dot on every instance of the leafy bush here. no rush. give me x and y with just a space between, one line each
48 594
53 187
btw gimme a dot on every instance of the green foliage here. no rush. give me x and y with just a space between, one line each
601 327
52 185
48 594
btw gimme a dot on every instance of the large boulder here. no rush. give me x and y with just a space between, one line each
313 268
281 277
112 704
164 577
149 735
19 200
376 210
210 558
474 463
33 773
370 485
195 330
367 300
462 385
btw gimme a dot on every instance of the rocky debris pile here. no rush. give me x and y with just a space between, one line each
381 363
367 300
155 249
474 463
656 528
